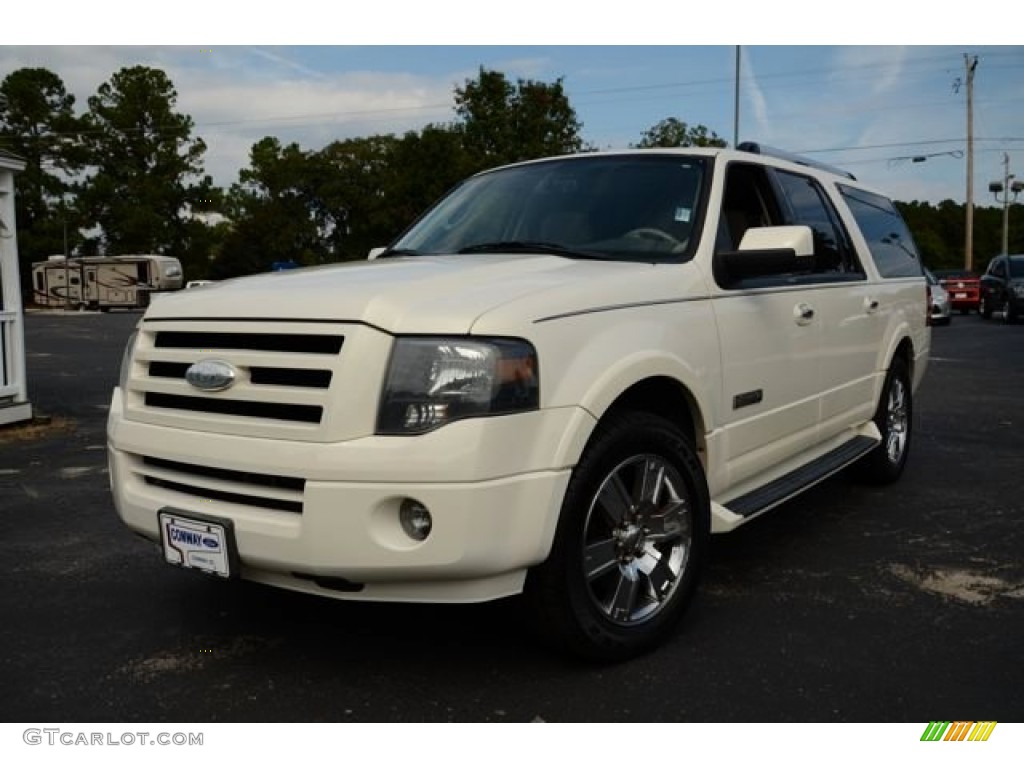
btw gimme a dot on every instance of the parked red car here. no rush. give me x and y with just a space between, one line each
964 288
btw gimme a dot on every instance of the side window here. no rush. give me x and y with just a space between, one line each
808 205
748 202
889 240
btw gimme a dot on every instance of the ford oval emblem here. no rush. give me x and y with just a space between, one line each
210 375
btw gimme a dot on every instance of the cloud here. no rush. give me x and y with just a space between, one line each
752 96
284 62
881 68
238 95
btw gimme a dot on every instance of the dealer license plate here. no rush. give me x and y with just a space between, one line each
959 295
202 542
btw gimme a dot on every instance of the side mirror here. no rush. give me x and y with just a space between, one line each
375 252
798 238
766 252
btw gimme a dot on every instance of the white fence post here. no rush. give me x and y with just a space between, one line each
14 404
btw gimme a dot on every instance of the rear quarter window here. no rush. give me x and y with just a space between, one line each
889 240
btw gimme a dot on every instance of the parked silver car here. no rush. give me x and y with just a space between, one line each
940 308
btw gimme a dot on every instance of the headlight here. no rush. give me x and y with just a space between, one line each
434 381
126 362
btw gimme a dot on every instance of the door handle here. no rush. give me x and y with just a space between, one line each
803 313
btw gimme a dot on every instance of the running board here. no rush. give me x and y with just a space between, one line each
789 485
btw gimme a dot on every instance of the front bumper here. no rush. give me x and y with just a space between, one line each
493 486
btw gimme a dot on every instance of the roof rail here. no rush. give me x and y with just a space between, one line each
760 149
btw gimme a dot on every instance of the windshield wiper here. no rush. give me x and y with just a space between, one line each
530 246
398 252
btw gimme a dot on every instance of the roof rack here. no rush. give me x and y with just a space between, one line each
760 149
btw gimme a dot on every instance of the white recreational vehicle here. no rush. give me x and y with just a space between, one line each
104 282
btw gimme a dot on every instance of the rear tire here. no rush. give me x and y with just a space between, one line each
894 419
630 543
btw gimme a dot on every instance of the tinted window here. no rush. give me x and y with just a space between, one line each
1016 267
616 207
748 202
808 206
891 244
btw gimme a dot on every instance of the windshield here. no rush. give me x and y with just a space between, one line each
1016 266
625 207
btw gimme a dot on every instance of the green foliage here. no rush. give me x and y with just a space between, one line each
427 165
673 132
940 232
505 123
131 170
272 209
37 123
146 166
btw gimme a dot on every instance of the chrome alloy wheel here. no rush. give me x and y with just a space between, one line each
637 539
897 419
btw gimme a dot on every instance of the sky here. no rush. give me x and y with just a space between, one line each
868 108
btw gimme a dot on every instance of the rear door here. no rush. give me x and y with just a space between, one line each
848 307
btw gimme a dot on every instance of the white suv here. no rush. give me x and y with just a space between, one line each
558 381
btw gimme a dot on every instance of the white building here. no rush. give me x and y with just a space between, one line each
14 404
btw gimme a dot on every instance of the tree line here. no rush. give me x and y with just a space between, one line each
126 175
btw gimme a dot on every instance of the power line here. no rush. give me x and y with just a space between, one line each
902 144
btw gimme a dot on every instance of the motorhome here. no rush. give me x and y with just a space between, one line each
104 282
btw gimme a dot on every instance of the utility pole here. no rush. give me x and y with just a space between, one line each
736 105
971 63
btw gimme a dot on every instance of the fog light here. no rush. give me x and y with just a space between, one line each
415 519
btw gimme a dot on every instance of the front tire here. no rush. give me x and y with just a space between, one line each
1009 312
630 543
984 309
894 419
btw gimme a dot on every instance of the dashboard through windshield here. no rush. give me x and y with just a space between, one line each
630 207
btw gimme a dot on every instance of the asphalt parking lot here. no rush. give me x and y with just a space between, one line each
848 604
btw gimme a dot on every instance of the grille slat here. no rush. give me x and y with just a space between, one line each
205 341
291 377
231 475
310 414
276 492
312 378
231 498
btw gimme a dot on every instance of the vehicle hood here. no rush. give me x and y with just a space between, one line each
425 294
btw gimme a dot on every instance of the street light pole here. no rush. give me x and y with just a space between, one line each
1006 188
736 105
971 65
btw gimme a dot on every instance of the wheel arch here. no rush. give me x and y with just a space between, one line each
659 386
905 351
